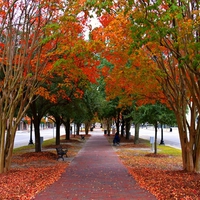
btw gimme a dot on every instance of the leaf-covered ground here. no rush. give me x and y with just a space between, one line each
161 174
31 172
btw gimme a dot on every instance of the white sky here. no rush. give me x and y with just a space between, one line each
94 22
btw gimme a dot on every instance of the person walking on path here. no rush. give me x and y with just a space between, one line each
95 173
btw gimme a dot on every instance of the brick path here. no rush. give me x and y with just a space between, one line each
96 173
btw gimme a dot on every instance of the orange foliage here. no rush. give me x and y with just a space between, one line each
73 61
134 76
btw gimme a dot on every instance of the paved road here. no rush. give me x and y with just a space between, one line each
22 138
170 138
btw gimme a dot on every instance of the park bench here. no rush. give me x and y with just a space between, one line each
82 137
61 152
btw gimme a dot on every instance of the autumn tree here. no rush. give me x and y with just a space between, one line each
168 33
73 67
24 46
126 76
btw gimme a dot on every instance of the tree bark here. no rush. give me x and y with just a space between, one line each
162 140
8 148
67 129
109 122
87 126
136 138
122 127
155 141
58 122
78 128
36 122
31 131
128 126
118 121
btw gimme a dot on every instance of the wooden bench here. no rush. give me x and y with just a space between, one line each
61 152
82 137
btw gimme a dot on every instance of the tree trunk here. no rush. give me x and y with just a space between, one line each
87 126
78 128
122 127
36 122
9 121
109 122
155 141
162 140
118 122
6 152
2 145
67 129
136 138
12 111
187 153
31 131
189 133
128 126
197 161
58 122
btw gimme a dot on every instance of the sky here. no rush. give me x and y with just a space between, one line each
94 22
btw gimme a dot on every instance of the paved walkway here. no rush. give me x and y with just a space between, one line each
96 173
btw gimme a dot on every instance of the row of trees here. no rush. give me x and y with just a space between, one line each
44 62
153 47
145 51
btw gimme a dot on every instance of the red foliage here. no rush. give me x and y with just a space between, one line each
32 172
106 19
168 184
162 175
25 183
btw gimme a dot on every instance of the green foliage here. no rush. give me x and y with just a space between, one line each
52 32
108 109
106 63
156 113
99 6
